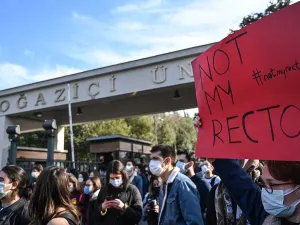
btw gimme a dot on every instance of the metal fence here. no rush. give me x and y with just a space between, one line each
27 165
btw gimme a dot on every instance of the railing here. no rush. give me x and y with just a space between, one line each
27 165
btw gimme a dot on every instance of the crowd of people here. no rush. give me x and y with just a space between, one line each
174 188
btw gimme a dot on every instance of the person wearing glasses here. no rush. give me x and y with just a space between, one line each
278 203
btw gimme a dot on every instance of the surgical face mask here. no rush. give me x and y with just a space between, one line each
116 182
128 168
80 179
156 167
204 168
34 174
71 188
2 192
87 190
273 203
181 166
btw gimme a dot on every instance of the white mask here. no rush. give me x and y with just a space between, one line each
181 166
2 192
273 203
204 168
116 182
80 179
128 168
156 168
34 174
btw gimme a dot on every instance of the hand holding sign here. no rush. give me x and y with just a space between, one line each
247 89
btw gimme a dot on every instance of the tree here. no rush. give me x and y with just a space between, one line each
141 127
273 7
35 140
84 131
166 133
185 134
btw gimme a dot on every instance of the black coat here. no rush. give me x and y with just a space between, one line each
16 214
130 196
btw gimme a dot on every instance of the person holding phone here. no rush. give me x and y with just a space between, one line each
119 203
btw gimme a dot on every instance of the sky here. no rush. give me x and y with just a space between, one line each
45 39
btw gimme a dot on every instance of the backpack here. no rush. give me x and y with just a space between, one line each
213 180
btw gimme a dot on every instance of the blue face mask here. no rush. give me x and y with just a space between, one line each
273 203
87 190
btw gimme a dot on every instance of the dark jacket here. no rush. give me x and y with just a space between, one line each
91 208
138 182
243 190
130 196
211 218
203 189
145 184
16 214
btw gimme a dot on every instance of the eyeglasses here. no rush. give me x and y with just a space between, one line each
269 186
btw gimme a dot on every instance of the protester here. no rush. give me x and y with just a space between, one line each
91 191
76 196
179 199
134 178
14 209
279 201
220 207
185 163
83 177
202 170
119 203
151 201
103 175
94 174
50 203
146 169
209 177
36 171
143 174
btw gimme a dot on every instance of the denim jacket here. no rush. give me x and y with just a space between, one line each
181 206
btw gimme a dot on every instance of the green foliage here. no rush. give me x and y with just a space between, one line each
273 7
172 129
141 127
35 140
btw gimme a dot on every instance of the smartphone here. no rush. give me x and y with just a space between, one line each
109 198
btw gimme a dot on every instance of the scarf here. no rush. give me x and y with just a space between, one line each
272 220
227 211
225 208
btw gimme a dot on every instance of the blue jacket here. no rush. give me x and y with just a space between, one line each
181 205
242 189
138 182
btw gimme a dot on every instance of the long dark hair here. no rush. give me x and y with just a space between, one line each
117 167
51 191
16 175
